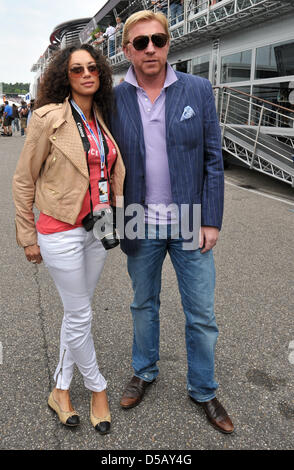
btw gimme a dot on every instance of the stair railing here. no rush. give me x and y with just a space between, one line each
239 110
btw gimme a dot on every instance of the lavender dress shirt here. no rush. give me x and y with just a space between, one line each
158 187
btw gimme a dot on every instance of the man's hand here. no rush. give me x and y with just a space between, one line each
207 238
33 254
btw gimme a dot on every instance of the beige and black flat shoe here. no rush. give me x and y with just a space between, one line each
69 418
102 425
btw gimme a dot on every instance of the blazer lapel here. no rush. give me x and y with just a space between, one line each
174 96
129 97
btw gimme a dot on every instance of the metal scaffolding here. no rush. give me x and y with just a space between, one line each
254 130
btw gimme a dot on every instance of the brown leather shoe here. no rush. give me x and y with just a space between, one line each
134 392
216 415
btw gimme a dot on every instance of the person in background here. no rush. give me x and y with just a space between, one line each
8 118
160 6
119 29
99 39
176 11
68 155
31 109
23 114
1 115
171 148
119 24
15 122
110 35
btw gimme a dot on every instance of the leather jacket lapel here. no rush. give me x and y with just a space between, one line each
67 139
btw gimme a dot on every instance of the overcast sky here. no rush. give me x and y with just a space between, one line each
25 29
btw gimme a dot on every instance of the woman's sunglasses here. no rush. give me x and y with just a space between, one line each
141 42
78 70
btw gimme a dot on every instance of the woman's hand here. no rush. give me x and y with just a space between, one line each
33 254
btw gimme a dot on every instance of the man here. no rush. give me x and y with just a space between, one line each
118 29
31 110
23 113
15 122
176 11
110 35
8 118
160 5
167 129
119 24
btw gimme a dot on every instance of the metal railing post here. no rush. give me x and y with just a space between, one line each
185 16
221 104
225 119
256 137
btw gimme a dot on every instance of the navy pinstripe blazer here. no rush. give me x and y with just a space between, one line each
193 147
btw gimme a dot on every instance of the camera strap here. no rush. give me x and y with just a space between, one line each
86 144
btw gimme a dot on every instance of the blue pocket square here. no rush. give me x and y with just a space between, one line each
187 113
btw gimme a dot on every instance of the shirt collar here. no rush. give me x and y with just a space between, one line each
169 79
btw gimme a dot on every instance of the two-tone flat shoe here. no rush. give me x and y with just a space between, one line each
68 418
102 425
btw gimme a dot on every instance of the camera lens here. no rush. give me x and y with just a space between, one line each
104 229
109 243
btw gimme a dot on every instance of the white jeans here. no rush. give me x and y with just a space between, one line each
75 260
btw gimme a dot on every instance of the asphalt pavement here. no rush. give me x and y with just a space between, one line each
255 349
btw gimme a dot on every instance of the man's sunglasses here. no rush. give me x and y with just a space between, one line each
141 42
78 70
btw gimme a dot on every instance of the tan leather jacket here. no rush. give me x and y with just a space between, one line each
52 171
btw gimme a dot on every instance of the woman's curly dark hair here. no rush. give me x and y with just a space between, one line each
54 86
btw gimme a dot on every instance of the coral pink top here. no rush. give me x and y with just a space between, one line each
47 224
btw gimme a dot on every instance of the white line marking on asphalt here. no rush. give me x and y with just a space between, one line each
259 193
291 355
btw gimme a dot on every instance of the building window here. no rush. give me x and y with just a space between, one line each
200 66
275 60
236 67
182 66
277 93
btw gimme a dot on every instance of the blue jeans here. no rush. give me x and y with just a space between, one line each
176 13
111 48
196 280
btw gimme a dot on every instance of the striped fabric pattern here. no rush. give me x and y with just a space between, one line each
193 147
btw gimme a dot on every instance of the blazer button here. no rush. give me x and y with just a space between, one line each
53 138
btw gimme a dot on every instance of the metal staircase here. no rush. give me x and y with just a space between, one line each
202 21
257 132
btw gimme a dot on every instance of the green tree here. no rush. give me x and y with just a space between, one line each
18 88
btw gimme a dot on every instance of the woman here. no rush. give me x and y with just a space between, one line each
62 178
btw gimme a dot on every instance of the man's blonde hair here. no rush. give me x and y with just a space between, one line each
143 15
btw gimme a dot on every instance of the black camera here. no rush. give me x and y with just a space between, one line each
88 222
103 228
